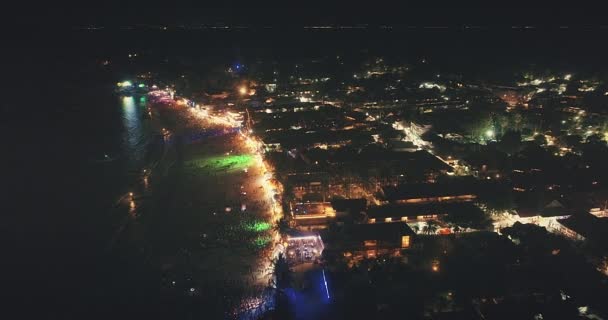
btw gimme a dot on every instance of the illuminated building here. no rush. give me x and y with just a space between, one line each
584 226
418 212
454 191
372 240
315 215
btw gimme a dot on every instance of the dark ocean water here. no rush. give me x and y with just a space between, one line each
61 213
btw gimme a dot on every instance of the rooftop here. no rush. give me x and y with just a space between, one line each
414 210
353 205
588 225
450 188
417 160
381 231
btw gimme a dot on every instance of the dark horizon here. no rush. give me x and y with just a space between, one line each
247 13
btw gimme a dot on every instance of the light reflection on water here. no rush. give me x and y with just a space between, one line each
134 139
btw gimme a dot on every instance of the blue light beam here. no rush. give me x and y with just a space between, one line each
324 280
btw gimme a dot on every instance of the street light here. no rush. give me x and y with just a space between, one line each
435 266
490 133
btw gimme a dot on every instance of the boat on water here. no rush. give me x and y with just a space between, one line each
105 158
128 87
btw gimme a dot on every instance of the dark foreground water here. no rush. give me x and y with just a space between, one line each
69 159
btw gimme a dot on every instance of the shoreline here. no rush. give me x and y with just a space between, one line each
143 182
182 222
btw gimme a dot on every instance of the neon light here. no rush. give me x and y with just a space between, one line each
224 163
257 226
261 242
125 84
324 280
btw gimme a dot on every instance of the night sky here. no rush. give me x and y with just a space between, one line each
262 13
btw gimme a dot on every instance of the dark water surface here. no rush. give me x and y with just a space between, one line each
63 191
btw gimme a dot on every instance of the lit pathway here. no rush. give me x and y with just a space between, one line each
260 176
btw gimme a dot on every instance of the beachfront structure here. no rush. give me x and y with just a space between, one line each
358 241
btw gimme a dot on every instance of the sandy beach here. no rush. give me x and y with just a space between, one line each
205 225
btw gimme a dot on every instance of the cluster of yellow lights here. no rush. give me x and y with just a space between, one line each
227 120
243 90
405 241
435 266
